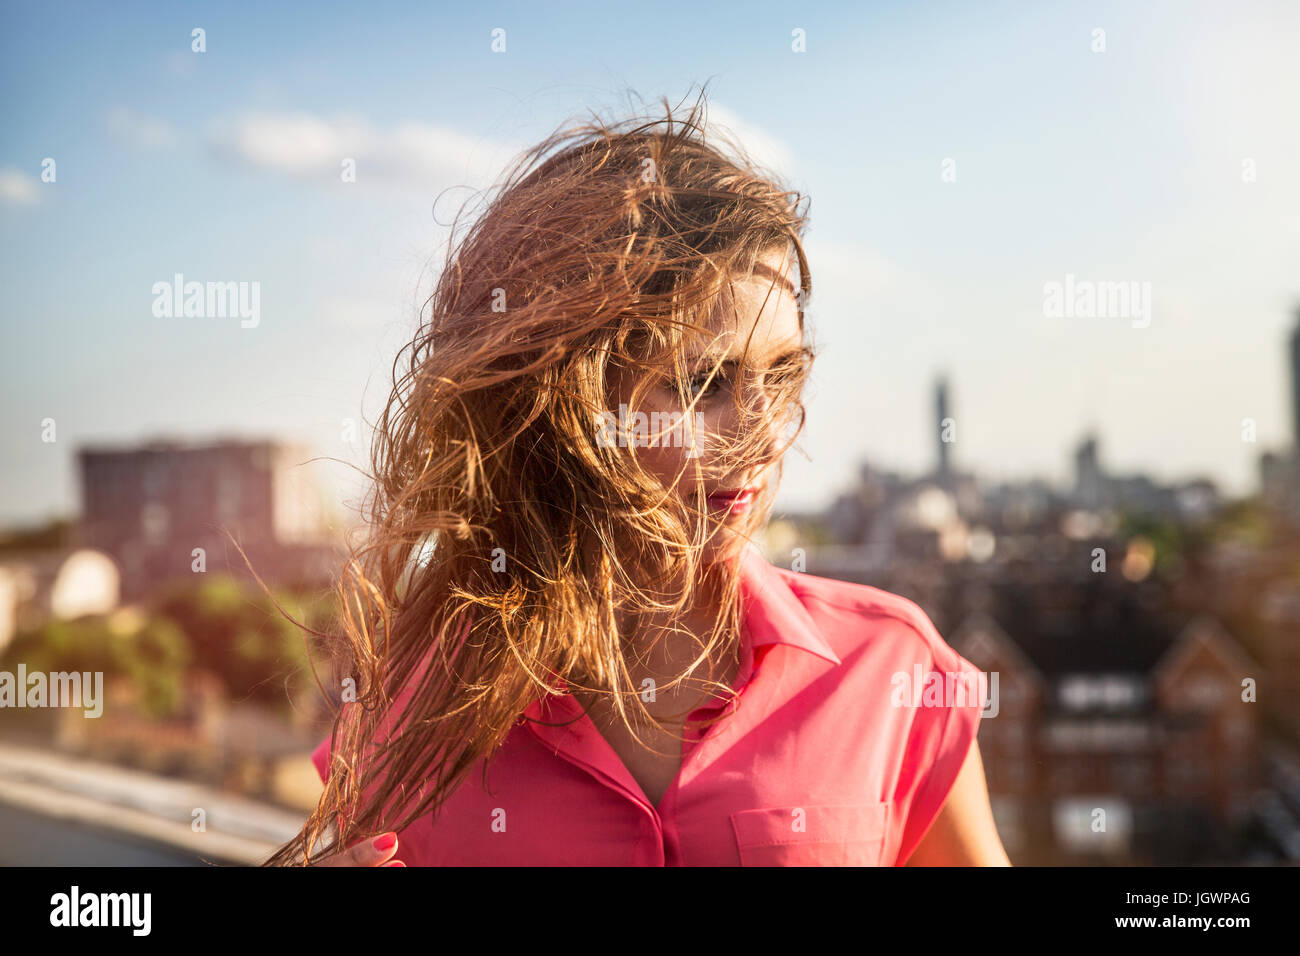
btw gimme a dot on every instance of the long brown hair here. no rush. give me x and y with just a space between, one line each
508 545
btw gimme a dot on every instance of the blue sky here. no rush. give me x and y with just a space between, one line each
1122 165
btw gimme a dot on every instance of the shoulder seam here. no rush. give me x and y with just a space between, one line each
877 609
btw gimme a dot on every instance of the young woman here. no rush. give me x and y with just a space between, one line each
565 646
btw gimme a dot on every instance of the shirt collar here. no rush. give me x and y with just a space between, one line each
772 612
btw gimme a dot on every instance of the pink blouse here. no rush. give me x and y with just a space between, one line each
851 721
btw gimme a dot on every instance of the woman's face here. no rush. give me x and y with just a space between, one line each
757 335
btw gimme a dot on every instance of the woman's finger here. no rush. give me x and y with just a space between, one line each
376 852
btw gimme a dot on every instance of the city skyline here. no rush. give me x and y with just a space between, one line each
942 467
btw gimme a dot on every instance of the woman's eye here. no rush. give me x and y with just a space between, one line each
705 386
781 379
788 376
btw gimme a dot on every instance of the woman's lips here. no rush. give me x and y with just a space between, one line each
736 500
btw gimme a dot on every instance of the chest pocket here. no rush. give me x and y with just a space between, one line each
834 835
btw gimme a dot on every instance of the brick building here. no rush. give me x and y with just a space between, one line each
163 510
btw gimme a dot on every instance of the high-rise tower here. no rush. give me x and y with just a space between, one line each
941 414
1295 385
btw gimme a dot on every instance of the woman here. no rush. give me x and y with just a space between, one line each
564 644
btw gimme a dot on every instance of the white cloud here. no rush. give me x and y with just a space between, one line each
413 154
147 131
17 187
764 148
854 286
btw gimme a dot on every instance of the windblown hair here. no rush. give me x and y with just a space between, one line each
511 547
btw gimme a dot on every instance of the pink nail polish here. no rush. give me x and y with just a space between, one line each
394 863
384 842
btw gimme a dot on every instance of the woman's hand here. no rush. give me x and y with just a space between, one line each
376 852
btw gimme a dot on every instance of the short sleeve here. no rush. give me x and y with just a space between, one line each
939 741
393 721
320 758
410 840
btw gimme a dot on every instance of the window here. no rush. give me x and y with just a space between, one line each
154 521
1093 825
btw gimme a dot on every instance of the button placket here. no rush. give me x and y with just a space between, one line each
578 742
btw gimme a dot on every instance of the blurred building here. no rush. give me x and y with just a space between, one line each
1279 472
1115 742
946 515
1133 721
1280 650
1097 490
1293 357
164 510
62 583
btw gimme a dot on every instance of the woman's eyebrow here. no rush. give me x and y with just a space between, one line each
785 357
762 268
